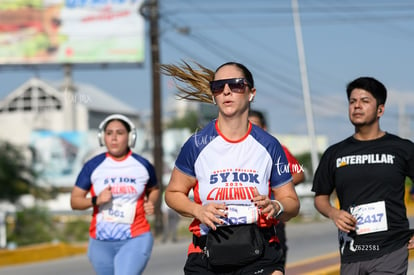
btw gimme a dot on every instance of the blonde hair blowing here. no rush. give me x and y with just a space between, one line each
193 84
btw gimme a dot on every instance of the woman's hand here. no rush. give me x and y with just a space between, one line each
150 200
265 204
148 206
209 214
105 196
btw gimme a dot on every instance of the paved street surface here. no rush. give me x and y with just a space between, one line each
308 242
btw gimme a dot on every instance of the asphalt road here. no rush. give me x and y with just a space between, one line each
305 241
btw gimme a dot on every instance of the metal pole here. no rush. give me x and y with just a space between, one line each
3 231
149 10
70 95
305 85
403 120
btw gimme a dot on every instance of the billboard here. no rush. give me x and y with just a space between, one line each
71 32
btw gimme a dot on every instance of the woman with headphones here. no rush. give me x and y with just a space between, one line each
124 189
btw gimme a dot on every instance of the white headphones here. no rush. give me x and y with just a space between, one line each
132 137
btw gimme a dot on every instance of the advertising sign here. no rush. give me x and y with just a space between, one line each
71 31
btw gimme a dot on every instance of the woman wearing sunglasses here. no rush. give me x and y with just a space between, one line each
231 166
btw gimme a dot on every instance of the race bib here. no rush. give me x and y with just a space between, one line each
240 214
371 217
119 212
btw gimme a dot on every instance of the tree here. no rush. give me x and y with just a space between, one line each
190 121
16 175
33 225
305 160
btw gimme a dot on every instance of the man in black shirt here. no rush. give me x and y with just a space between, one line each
368 172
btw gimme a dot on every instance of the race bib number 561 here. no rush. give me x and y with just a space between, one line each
371 217
119 212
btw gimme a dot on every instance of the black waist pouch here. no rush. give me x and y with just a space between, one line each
234 245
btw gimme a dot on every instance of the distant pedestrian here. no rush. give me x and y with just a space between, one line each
368 171
298 175
171 221
123 190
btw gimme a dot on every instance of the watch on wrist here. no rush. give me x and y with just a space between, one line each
281 209
94 199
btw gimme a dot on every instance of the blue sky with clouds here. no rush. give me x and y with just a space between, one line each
342 40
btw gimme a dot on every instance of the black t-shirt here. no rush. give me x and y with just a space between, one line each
364 172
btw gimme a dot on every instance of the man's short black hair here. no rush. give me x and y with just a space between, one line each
371 85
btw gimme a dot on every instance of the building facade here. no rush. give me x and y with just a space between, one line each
56 126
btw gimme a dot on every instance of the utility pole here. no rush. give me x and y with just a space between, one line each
305 86
403 120
149 10
69 91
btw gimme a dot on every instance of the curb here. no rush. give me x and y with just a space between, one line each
38 253
327 264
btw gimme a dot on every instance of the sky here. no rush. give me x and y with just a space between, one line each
342 40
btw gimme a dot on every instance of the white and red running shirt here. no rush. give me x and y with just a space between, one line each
228 171
123 217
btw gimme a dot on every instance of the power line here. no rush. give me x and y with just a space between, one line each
279 83
242 24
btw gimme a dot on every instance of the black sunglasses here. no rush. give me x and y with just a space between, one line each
236 85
